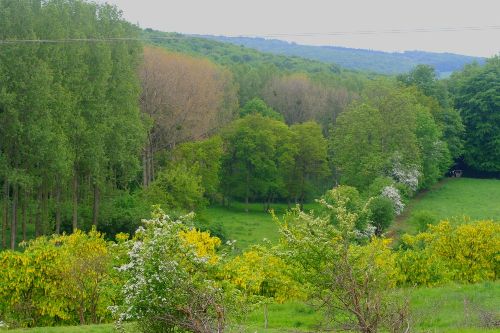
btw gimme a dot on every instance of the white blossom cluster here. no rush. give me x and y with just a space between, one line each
152 273
163 273
367 233
405 175
392 193
3 324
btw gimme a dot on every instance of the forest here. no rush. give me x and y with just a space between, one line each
115 143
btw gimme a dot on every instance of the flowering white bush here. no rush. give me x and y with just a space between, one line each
393 194
405 175
172 284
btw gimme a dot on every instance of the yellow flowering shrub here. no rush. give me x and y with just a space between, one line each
261 273
62 279
204 245
466 253
378 258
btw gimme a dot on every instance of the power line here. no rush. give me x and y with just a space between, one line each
387 31
270 35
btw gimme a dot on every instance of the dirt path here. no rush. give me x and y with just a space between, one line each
401 219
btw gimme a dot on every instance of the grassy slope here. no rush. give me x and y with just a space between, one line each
456 198
435 310
477 198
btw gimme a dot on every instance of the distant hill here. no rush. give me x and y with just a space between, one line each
358 59
229 54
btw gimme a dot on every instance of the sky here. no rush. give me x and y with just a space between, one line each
446 23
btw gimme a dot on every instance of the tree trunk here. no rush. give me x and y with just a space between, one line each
95 208
145 168
265 316
75 202
13 225
45 211
247 193
38 217
151 165
24 214
58 208
5 219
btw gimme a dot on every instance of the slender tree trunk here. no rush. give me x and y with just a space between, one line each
95 208
145 168
151 165
75 202
247 193
5 219
13 225
58 208
24 214
38 217
45 210
81 313
265 316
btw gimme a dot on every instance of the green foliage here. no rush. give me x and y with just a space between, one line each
69 111
378 185
254 147
178 187
347 198
382 213
436 157
476 97
424 77
258 106
394 135
205 158
422 219
352 282
309 172
356 148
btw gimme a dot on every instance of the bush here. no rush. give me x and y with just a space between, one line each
466 253
172 283
382 213
378 185
178 187
60 280
344 197
353 282
422 219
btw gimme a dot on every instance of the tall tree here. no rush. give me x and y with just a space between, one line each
184 99
251 154
476 96
309 171
296 98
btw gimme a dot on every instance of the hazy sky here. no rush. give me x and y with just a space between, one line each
320 21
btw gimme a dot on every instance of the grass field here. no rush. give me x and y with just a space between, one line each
453 308
247 228
455 198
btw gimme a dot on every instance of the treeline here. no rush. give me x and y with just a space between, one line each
70 122
357 59
94 132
